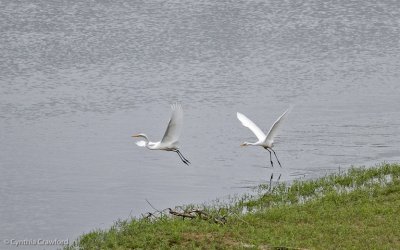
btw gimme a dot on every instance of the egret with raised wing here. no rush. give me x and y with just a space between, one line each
170 141
265 141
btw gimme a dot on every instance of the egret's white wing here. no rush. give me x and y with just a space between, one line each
275 127
253 127
174 126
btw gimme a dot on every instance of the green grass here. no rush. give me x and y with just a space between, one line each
359 209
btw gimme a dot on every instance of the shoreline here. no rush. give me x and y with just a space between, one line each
359 206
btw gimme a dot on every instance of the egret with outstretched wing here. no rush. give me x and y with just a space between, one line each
170 140
265 141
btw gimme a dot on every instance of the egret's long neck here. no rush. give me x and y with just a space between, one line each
145 142
250 144
146 139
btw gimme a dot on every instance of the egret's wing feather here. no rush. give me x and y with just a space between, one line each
251 125
174 126
275 127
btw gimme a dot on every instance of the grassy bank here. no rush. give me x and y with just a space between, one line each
359 209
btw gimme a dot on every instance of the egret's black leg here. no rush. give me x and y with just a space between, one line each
276 158
180 155
183 157
270 158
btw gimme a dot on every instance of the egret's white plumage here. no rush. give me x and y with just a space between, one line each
273 131
170 140
265 141
174 128
252 126
141 143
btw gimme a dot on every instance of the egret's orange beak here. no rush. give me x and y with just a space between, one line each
242 145
135 136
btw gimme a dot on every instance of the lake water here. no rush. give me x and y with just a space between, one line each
78 78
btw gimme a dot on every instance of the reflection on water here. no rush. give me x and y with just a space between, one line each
79 77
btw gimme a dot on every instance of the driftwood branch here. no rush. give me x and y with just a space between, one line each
197 213
156 214
181 212
148 202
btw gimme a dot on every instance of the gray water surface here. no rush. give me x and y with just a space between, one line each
78 78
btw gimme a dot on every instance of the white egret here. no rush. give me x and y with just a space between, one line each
170 141
265 141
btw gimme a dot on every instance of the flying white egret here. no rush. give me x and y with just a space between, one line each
170 140
265 141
